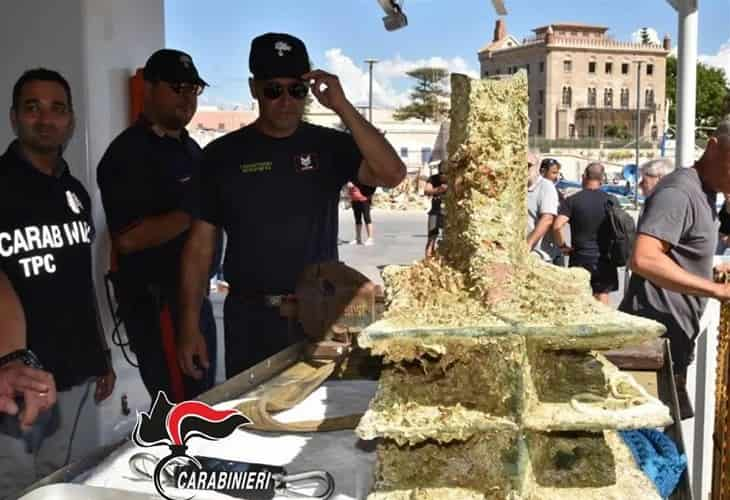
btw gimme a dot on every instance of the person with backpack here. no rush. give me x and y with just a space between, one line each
587 213
672 257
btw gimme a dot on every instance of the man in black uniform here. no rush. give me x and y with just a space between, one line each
46 231
436 187
146 179
586 212
274 187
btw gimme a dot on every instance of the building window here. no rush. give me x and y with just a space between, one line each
571 130
539 126
486 73
591 130
649 69
542 67
527 68
649 98
404 152
541 97
221 126
568 66
608 98
624 98
567 96
592 67
624 68
609 68
592 97
425 155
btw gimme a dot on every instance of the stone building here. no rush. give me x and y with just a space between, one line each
582 82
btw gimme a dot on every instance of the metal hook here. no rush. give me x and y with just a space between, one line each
283 483
143 465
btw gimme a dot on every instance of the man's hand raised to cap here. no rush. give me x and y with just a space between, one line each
327 89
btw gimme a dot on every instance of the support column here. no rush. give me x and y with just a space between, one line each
686 82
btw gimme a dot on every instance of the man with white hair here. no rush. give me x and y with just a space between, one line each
652 172
673 253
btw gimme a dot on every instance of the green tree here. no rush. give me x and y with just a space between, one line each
645 38
713 94
427 98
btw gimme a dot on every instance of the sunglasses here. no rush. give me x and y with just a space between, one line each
186 88
549 162
274 90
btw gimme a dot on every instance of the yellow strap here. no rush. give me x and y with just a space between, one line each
288 389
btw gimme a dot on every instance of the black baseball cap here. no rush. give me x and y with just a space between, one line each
278 55
172 66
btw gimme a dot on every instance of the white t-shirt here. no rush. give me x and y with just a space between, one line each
542 198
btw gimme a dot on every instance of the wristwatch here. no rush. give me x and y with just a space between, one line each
25 355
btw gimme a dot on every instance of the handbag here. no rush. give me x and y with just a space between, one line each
356 195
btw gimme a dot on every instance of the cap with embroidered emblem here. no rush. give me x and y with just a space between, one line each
172 66
278 55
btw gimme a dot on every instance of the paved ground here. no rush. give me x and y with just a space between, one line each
400 238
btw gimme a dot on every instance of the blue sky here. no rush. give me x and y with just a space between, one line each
340 34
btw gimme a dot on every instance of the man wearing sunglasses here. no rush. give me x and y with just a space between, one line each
147 178
274 187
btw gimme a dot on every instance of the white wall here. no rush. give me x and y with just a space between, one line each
96 45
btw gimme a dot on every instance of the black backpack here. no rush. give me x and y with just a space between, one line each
620 233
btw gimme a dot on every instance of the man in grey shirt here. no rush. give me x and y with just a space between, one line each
673 253
542 207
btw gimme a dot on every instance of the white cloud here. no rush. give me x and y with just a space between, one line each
653 36
719 60
391 85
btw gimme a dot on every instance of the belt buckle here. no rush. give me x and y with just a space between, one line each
273 300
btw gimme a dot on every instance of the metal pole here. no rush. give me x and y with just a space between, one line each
686 82
370 63
638 133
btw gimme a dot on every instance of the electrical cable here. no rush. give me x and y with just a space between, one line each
76 423
117 322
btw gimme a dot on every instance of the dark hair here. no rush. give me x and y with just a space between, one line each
43 75
547 163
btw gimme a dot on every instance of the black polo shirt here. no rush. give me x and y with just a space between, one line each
46 232
277 199
144 174
586 210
